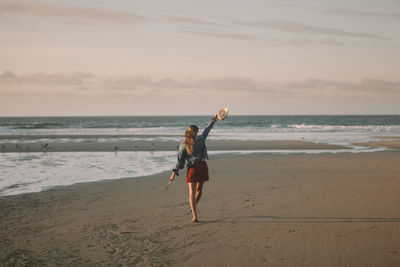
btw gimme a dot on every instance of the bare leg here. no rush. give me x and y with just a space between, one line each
192 200
199 191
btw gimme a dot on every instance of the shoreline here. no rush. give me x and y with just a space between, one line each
227 145
217 154
392 143
274 147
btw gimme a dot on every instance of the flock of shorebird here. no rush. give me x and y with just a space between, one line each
45 147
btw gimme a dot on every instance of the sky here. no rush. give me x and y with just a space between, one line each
128 57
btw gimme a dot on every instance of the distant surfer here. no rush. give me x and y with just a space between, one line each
193 154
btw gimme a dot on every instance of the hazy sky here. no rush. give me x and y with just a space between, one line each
126 57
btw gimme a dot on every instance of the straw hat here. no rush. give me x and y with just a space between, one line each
223 113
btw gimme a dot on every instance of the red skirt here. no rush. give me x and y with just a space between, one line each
197 173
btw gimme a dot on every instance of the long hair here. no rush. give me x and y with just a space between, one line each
190 135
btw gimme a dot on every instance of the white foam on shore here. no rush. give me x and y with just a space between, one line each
34 172
353 149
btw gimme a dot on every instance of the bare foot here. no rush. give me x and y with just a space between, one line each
195 220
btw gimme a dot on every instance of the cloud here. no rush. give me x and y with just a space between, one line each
225 85
298 5
76 78
194 21
55 94
330 41
202 28
395 16
128 82
247 86
295 27
230 84
87 84
366 87
64 11
325 41
224 35
146 86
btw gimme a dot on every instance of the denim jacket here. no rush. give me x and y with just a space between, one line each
200 150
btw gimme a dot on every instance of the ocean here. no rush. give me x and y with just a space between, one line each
25 172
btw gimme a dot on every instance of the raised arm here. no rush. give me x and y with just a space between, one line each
209 126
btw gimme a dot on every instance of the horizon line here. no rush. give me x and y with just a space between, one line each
177 115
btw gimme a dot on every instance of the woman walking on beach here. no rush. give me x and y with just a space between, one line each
193 154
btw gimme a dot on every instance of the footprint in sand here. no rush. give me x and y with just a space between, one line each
342 234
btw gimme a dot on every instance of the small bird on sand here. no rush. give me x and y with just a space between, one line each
44 146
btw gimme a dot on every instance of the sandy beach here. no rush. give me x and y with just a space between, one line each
257 210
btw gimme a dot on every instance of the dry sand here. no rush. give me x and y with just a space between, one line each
257 210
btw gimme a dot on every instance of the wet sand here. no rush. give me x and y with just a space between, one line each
257 210
392 143
158 146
